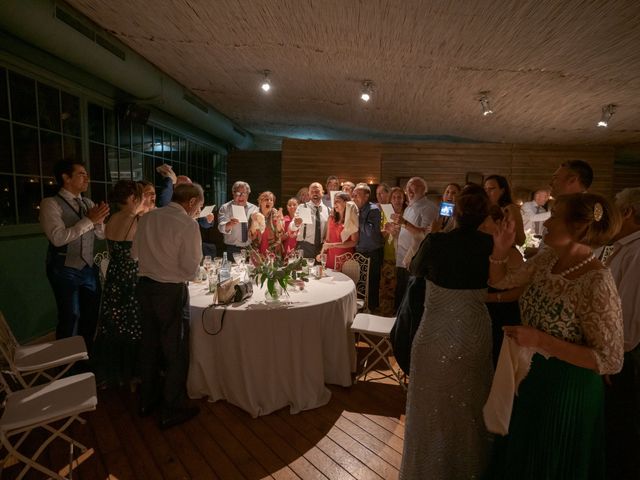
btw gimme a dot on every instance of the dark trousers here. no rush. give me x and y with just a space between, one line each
375 265
209 249
165 342
77 294
622 413
231 249
309 249
402 281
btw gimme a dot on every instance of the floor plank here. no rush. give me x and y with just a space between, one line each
357 435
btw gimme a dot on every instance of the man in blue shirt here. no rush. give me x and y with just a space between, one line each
370 243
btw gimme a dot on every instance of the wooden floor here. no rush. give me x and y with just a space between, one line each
358 434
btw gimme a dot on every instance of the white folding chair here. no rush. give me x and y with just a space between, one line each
48 360
102 261
375 331
39 407
356 267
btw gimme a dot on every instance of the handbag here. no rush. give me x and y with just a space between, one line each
233 290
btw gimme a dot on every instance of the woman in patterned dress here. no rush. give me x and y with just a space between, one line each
571 312
119 330
451 369
270 239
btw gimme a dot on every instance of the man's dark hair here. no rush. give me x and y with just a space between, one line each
582 169
65 167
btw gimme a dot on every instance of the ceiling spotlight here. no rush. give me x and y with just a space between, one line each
607 113
367 90
266 83
486 107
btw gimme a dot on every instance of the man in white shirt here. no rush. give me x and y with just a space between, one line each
71 222
168 248
415 222
236 233
311 236
535 207
622 396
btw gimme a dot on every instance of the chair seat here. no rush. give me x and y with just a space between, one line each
50 354
373 324
46 403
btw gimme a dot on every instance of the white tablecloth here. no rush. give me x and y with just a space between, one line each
270 356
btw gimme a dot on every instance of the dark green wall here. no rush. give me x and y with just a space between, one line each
26 299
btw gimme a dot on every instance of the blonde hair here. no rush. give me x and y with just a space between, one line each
266 194
590 218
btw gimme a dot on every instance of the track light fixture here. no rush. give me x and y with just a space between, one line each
484 102
607 113
266 83
367 91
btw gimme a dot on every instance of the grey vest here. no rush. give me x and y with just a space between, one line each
79 252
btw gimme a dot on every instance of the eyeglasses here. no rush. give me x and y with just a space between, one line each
240 194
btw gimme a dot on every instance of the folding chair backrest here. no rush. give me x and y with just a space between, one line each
356 267
102 261
8 343
351 269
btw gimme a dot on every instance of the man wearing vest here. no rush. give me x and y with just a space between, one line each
71 223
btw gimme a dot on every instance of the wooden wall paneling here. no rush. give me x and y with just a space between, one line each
533 165
307 161
262 170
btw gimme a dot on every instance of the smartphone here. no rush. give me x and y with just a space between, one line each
446 209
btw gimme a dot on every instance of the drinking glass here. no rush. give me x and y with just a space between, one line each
310 262
323 260
207 263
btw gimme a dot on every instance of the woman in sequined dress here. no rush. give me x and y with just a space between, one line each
451 368
119 331
571 312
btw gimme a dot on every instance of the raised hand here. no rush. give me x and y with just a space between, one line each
504 236
98 213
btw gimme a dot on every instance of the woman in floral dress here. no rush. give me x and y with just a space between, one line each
571 313
120 331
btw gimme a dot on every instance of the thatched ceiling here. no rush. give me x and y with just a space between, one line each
550 65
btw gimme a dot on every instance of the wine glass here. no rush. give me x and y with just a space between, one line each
310 262
323 260
207 263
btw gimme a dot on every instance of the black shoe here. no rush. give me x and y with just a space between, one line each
170 418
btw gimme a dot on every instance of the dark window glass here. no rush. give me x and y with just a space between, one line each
23 98
125 165
5 148
110 127
7 201
30 196
147 140
72 148
49 107
149 172
137 167
182 146
99 192
49 186
136 137
51 148
4 99
112 164
25 141
96 124
70 114
96 162
157 141
125 133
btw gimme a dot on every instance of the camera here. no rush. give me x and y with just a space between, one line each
446 209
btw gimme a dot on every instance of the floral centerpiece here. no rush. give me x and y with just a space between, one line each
276 272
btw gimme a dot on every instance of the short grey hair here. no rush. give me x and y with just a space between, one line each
420 181
363 186
239 184
630 198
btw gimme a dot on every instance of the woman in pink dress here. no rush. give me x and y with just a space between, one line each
290 239
342 229
267 236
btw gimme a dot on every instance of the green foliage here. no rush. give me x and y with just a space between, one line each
274 270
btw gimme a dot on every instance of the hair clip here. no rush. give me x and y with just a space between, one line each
597 211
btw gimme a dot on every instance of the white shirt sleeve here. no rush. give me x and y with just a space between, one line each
55 229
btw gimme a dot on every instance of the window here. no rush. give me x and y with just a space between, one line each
41 123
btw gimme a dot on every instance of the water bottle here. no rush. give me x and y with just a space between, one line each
225 269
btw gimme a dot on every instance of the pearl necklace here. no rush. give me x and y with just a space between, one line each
577 266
